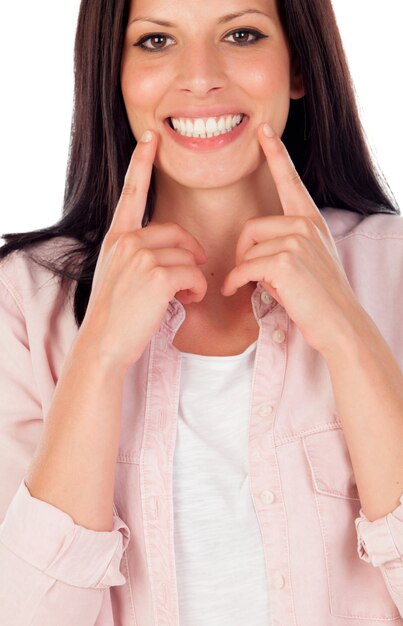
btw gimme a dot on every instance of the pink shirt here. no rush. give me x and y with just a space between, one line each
326 563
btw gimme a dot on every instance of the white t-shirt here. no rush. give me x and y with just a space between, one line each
220 567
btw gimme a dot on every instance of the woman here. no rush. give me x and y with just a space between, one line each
209 431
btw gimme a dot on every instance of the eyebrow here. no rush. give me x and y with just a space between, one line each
222 20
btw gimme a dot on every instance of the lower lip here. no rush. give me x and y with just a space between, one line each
201 144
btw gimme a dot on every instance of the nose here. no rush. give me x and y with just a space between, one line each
201 69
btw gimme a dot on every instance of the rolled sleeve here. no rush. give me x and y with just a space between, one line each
381 541
49 540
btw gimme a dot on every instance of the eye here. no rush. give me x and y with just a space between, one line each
244 34
157 41
155 38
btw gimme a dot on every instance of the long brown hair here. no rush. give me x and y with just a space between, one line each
323 135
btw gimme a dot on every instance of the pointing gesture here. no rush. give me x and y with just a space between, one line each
139 270
129 212
294 257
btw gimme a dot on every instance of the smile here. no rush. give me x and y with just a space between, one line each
206 127
206 134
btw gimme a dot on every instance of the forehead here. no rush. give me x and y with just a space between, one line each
200 9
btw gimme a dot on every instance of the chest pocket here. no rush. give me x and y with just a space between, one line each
356 589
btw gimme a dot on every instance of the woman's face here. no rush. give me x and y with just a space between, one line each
207 63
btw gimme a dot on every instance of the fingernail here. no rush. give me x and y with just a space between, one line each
267 130
146 136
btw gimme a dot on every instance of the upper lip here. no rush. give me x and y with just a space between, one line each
213 111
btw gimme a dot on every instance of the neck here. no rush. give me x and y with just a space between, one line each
215 217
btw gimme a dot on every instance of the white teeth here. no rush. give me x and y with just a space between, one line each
221 124
212 127
199 127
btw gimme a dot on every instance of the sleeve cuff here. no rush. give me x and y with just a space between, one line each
381 540
48 539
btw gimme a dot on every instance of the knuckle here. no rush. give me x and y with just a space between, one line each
295 178
189 255
174 228
108 240
184 255
285 259
294 242
250 222
306 226
145 256
126 242
159 276
129 188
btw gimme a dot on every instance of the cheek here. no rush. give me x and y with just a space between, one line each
266 76
267 83
141 87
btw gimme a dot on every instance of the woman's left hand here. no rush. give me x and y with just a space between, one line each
294 257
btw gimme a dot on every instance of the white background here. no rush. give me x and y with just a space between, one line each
36 69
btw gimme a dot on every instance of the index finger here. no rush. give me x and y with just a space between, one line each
294 196
130 209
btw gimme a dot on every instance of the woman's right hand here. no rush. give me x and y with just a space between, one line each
138 271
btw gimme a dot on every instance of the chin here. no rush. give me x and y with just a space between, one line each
206 176
208 181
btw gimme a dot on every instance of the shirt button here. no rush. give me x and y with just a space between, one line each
278 581
267 497
278 336
265 410
266 297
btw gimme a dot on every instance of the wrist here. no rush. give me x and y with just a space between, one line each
350 336
92 353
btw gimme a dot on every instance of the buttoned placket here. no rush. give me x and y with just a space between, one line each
156 465
264 472
158 448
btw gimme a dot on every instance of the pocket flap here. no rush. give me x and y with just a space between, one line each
330 463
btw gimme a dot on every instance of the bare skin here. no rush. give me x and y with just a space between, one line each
74 463
223 221
210 194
